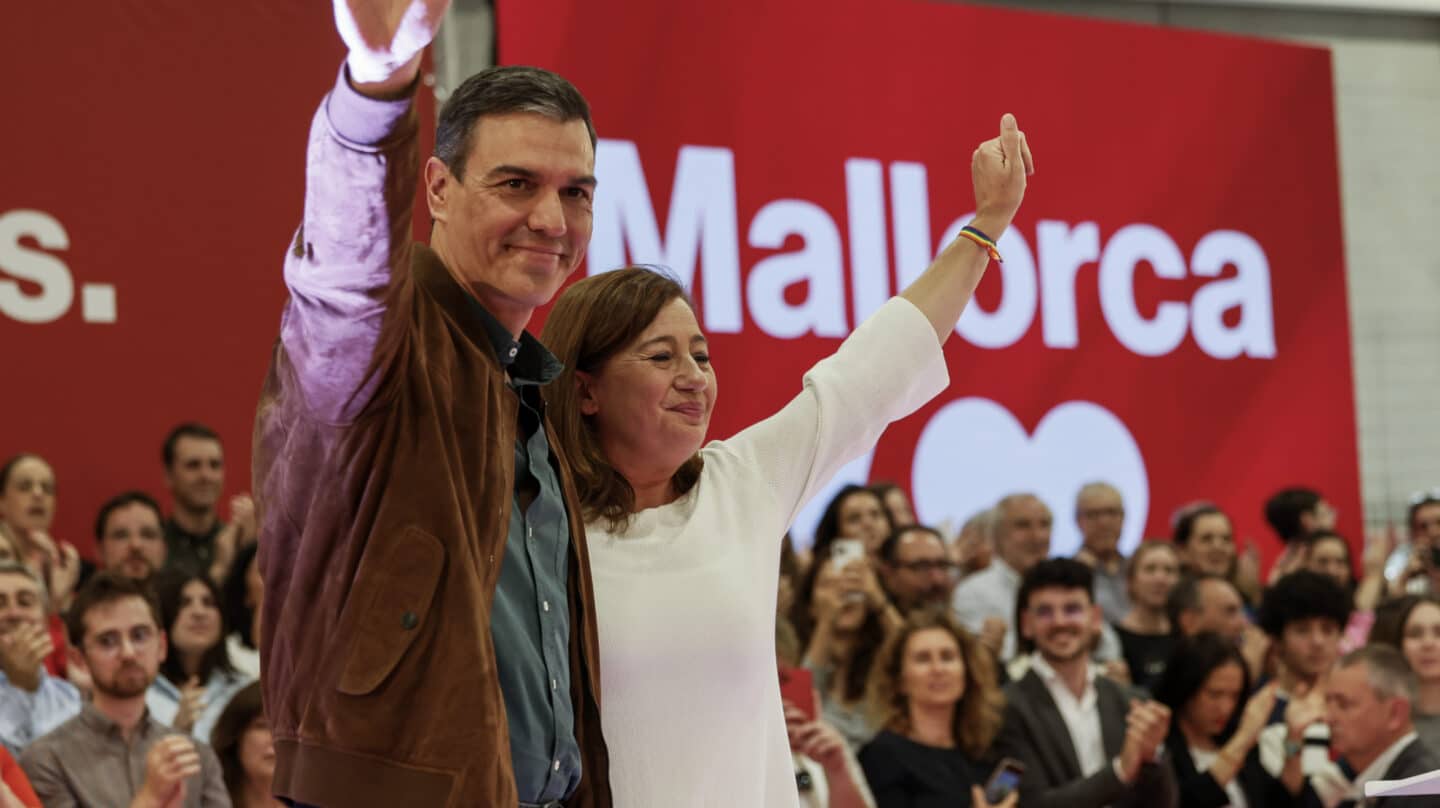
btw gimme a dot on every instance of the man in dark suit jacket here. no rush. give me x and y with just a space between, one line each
1368 702
1085 741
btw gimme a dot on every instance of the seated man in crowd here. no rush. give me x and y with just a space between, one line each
1295 513
113 753
130 536
1211 603
985 601
1100 514
1368 702
32 702
195 474
916 569
1084 741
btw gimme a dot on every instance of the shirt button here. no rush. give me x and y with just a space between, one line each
557 765
529 532
554 685
513 351
408 621
545 605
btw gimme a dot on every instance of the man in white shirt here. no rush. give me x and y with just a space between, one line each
985 601
1367 703
1084 740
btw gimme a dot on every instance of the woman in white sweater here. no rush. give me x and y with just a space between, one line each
685 542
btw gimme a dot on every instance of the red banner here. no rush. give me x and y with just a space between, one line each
153 162
1171 313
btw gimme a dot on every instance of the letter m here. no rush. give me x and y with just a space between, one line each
701 225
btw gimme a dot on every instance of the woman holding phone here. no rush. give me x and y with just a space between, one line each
685 541
934 693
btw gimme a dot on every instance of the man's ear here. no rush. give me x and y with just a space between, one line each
585 393
438 187
165 646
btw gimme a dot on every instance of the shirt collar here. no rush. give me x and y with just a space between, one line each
1377 768
1006 572
526 359
101 723
1051 678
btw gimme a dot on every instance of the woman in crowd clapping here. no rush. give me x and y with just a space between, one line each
196 678
1204 685
935 697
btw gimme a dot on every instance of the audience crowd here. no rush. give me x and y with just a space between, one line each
920 669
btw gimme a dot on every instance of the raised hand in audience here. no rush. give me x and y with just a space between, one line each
386 38
23 650
992 634
192 704
825 745
171 761
1146 726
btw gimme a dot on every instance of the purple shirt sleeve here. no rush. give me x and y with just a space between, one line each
361 171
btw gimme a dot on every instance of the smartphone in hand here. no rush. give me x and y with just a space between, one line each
797 686
1003 780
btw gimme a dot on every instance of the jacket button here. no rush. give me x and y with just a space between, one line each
409 621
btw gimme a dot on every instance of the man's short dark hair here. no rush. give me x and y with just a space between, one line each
1283 511
106 587
1299 596
120 501
1185 521
1422 500
1054 573
503 90
1184 597
891 544
190 429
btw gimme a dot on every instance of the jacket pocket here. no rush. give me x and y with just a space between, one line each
394 591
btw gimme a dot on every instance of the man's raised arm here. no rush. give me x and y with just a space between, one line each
361 172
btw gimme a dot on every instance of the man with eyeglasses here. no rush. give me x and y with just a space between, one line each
32 702
99 756
915 568
1100 514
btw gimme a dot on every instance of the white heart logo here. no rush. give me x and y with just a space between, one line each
973 452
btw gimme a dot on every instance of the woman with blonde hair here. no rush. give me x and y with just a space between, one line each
684 536
933 692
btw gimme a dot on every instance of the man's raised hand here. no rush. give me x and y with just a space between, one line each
385 38
998 170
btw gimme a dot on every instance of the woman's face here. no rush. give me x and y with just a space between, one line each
257 753
932 669
28 501
862 516
1153 576
1328 556
845 591
1421 641
197 626
1209 710
901 512
1211 548
650 404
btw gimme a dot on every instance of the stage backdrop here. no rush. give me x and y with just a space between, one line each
1171 312
152 163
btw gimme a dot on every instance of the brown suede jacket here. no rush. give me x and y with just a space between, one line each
383 466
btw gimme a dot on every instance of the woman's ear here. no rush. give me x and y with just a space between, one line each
585 393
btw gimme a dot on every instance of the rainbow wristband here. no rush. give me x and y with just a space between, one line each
986 243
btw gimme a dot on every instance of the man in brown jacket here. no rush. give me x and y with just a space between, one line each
428 627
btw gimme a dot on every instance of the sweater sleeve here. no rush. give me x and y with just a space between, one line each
888 368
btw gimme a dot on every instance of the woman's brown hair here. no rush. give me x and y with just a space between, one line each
592 321
981 707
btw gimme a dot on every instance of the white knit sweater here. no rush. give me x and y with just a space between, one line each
685 598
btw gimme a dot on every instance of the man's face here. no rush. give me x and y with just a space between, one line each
518 222
1100 514
1211 548
1220 610
1310 646
123 648
20 603
1425 527
197 476
1061 623
133 543
1024 537
1361 724
922 572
